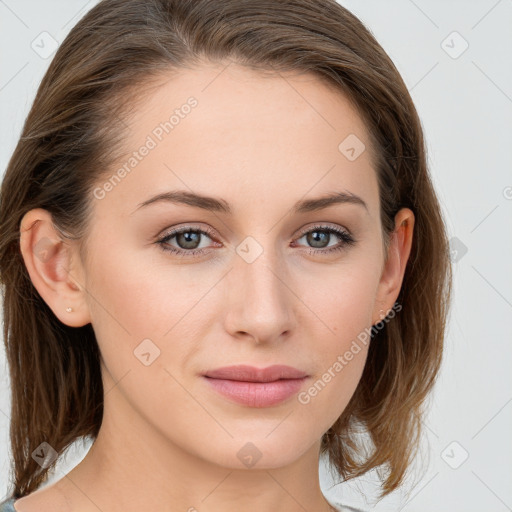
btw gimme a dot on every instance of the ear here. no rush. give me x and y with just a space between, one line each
394 269
53 264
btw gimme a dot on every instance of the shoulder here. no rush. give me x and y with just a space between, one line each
7 505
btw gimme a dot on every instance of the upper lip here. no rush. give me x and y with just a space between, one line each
252 374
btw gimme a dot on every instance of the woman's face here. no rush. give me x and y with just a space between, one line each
267 283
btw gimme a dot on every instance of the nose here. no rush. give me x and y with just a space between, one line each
260 301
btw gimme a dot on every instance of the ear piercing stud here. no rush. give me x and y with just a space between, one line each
68 309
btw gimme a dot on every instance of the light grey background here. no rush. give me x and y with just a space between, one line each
465 102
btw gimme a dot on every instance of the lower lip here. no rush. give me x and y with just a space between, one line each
257 394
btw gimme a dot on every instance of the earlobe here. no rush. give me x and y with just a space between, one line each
394 270
48 259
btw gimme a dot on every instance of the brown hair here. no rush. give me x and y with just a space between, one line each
74 132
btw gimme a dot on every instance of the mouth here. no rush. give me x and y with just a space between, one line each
252 374
255 387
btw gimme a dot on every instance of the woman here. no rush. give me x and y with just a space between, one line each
222 257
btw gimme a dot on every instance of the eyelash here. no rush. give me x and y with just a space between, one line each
347 240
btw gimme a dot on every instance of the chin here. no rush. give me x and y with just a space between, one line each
258 453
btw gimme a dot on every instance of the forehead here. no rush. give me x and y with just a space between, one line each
238 133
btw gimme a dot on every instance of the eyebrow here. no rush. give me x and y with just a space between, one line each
219 205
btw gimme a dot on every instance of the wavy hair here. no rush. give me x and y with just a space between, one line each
74 132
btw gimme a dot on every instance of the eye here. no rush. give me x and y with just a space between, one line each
188 240
320 236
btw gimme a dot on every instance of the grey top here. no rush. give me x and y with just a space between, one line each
8 506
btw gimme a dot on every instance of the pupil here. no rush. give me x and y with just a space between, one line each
316 236
188 239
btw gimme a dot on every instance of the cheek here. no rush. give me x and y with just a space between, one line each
140 315
345 303
341 354
138 294
143 309
344 307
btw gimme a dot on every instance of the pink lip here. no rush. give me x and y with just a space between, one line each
256 387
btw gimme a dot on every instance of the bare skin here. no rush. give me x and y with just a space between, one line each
168 441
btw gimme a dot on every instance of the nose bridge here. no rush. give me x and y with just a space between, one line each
260 304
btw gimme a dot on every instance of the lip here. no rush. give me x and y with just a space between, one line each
243 372
256 387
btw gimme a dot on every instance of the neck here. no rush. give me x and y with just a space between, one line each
131 466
